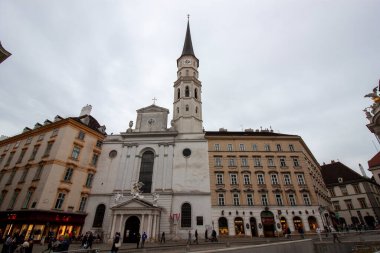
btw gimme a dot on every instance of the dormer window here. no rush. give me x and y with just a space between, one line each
340 179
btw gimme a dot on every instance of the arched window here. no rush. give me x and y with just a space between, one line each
146 171
178 94
187 108
187 91
196 93
99 216
196 109
177 109
187 72
186 215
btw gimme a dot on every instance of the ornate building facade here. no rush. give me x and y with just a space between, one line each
263 182
46 175
154 178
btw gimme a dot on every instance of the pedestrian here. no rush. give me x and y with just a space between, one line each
30 248
288 233
213 236
22 248
318 230
206 236
196 236
302 233
189 238
138 237
116 243
143 238
162 238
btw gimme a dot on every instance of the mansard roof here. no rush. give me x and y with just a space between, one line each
375 161
90 122
331 172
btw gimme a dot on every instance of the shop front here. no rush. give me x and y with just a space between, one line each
38 224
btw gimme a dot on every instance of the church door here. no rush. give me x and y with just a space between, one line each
132 227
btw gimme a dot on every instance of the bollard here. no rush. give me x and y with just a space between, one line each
188 248
228 244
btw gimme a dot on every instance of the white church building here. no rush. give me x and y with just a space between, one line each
152 178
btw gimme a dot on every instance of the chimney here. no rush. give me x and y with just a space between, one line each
86 110
362 170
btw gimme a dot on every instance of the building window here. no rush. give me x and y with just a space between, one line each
82 204
254 147
233 178
177 109
221 199
179 91
7 147
24 174
187 90
89 179
244 161
236 199
55 132
195 91
229 147
48 148
41 137
27 198
250 199
11 176
349 204
29 140
99 216
332 192
34 152
22 154
60 200
231 161
306 199
274 178
2 196
99 143
271 162
343 189
282 161
37 176
247 179
10 158
300 179
219 178
81 135
146 171
260 179
279 199
242 147
287 179
266 147
336 205
216 147
13 199
292 199
187 108
257 161
363 203
94 160
357 188
17 144
291 147
278 146
264 199
186 215
68 174
218 161
295 162
75 153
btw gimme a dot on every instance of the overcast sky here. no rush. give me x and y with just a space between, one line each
301 66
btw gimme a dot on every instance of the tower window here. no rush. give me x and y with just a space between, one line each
196 94
187 72
187 91
196 109
178 94
177 110
187 108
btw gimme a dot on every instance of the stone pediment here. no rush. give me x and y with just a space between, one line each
152 108
135 204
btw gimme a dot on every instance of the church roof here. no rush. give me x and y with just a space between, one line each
188 45
331 172
375 161
153 108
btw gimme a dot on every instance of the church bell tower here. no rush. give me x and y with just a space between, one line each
187 106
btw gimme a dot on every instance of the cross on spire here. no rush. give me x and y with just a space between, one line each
188 17
154 100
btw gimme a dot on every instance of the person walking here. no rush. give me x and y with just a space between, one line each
213 236
335 236
318 230
206 236
143 238
189 238
196 236
302 233
138 237
288 233
116 243
162 238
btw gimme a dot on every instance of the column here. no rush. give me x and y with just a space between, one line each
142 224
121 223
154 232
113 226
149 228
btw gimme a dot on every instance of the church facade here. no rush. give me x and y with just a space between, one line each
153 178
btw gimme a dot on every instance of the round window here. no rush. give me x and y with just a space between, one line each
186 152
113 154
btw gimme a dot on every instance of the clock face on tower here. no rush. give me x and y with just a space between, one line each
187 61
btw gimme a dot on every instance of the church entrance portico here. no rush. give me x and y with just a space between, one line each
132 228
